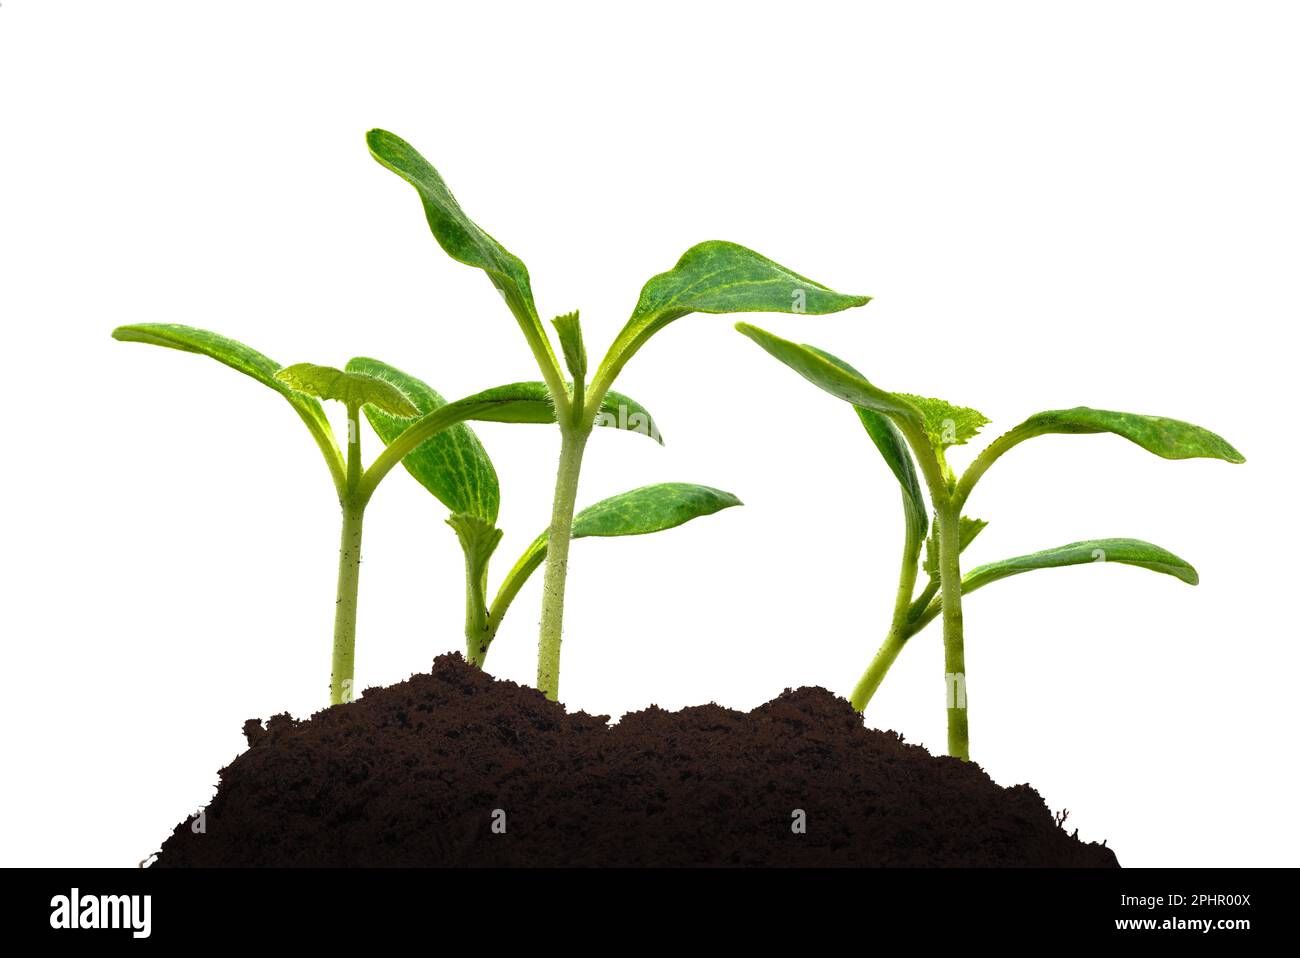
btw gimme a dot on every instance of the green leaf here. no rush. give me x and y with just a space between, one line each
575 352
1168 438
234 354
835 379
893 447
530 402
453 465
719 277
353 389
634 513
945 424
1133 552
248 361
967 530
650 509
463 240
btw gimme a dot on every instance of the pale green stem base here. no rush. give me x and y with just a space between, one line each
954 649
345 612
345 608
572 445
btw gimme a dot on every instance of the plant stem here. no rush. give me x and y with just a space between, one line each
573 442
345 608
898 626
478 636
954 653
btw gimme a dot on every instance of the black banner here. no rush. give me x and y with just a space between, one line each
350 909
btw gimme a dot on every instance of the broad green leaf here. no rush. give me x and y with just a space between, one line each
1126 551
719 277
353 389
453 465
833 378
650 509
1168 438
575 351
633 513
967 530
462 239
530 402
945 424
234 354
242 359
893 447
1133 552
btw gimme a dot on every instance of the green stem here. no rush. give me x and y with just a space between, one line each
921 606
478 540
947 514
345 608
478 634
954 652
898 626
557 559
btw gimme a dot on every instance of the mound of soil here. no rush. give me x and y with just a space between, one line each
418 773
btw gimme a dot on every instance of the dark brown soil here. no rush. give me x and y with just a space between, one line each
411 775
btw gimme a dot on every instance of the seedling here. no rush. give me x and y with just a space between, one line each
712 277
430 437
637 512
899 422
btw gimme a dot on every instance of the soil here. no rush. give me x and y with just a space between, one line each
411 775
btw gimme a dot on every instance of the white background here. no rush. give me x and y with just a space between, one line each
1052 204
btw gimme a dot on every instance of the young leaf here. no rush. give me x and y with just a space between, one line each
1127 551
248 361
650 509
530 402
575 352
633 513
893 448
945 424
1167 438
718 277
351 389
453 465
1133 552
463 240
834 378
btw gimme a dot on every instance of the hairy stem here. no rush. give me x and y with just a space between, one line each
954 652
478 634
898 626
557 559
345 608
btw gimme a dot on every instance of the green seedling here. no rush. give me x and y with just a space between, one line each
430 436
302 386
904 426
637 512
712 277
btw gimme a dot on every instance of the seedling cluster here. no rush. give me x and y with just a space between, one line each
434 442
